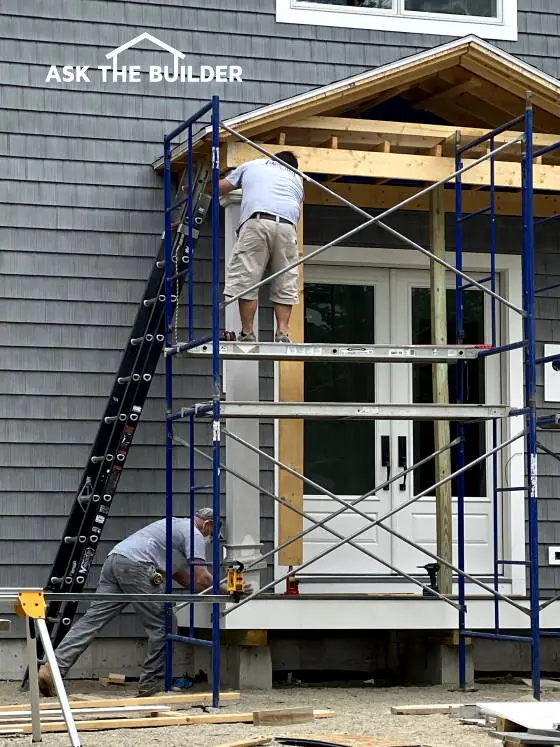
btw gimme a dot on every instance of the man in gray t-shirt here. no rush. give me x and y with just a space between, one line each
270 207
136 566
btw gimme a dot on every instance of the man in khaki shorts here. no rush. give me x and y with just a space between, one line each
270 207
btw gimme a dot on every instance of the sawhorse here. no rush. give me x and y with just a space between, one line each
32 606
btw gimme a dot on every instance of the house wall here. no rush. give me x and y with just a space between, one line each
80 215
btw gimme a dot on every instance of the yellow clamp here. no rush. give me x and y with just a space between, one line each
31 604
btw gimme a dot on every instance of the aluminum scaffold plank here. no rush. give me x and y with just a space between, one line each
351 410
304 351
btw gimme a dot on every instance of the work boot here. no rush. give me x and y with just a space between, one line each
46 681
249 337
146 691
282 337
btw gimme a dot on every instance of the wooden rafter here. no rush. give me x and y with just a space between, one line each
401 134
449 93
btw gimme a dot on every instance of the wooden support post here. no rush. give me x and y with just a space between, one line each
290 435
440 387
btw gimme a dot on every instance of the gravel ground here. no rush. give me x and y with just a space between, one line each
359 710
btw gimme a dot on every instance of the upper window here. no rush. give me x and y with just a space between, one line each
490 19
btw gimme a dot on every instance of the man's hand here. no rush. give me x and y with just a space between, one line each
247 588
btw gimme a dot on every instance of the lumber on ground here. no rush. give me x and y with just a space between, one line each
143 723
424 709
281 716
173 699
115 710
113 679
255 742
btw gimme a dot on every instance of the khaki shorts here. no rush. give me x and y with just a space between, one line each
259 243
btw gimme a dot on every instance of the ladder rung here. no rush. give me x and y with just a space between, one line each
337 410
332 352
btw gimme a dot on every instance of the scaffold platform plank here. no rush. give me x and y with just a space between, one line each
350 410
333 352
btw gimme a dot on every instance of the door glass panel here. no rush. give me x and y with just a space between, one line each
474 389
339 454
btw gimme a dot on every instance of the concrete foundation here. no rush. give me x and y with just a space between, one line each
388 656
104 656
247 667
434 662
243 667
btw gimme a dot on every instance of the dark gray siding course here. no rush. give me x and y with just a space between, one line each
80 219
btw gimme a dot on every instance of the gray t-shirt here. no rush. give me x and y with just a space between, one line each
268 187
147 545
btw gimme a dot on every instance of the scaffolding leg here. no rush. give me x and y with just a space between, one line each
31 635
216 393
530 396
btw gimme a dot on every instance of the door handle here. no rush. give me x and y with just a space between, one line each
386 457
402 459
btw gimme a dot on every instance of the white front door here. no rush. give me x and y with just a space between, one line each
367 305
346 456
410 312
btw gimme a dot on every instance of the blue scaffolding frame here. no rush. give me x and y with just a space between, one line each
212 108
463 282
529 410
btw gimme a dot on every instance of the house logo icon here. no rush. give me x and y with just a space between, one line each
174 73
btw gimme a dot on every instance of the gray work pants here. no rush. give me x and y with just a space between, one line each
120 575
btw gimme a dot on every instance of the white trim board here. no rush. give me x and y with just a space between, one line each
397 20
406 613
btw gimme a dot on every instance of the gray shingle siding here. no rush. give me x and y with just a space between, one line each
80 219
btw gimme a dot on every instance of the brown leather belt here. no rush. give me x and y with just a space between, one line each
270 216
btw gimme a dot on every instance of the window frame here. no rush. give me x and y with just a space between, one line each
306 12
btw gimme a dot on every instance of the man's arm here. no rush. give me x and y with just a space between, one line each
225 187
202 578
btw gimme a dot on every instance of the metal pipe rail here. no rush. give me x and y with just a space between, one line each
305 515
12 595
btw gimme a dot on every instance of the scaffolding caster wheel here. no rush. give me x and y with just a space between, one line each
235 581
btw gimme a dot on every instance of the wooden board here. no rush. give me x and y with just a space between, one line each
424 709
397 166
143 723
93 710
280 716
290 437
172 699
406 134
440 392
255 742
